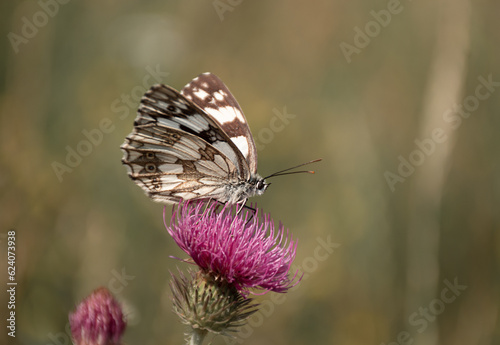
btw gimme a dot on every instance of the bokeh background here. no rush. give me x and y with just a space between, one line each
398 228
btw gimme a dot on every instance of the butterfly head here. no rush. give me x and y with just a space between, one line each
255 186
260 185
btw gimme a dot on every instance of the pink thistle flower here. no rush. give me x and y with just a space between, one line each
97 320
247 252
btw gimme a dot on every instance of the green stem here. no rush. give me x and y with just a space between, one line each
197 336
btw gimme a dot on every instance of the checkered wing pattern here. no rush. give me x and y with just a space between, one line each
192 145
210 94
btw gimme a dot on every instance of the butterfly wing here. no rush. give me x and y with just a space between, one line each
209 93
176 151
165 105
171 165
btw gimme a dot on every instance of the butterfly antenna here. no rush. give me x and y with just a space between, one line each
288 172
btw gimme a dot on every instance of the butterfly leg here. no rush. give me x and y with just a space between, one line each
249 208
254 213
243 205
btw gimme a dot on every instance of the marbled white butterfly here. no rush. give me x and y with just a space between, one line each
195 144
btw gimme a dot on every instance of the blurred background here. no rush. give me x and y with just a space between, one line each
398 228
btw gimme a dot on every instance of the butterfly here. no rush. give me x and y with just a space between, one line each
193 144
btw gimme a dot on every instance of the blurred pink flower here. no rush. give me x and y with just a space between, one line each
97 320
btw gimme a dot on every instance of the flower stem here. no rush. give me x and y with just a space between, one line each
197 336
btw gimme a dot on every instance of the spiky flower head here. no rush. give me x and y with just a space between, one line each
97 320
208 305
240 248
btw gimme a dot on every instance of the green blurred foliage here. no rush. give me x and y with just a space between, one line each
359 113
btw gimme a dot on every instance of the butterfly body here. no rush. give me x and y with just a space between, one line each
195 144
244 189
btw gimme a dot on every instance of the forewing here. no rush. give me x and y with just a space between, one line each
209 93
165 107
170 164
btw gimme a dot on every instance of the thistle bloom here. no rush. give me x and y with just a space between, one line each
97 320
242 249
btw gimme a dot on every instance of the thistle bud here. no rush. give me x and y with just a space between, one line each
97 320
207 304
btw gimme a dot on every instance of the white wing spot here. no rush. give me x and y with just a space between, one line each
241 143
201 94
225 114
219 96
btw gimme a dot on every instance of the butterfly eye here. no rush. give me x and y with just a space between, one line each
150 167
150 155
171 108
